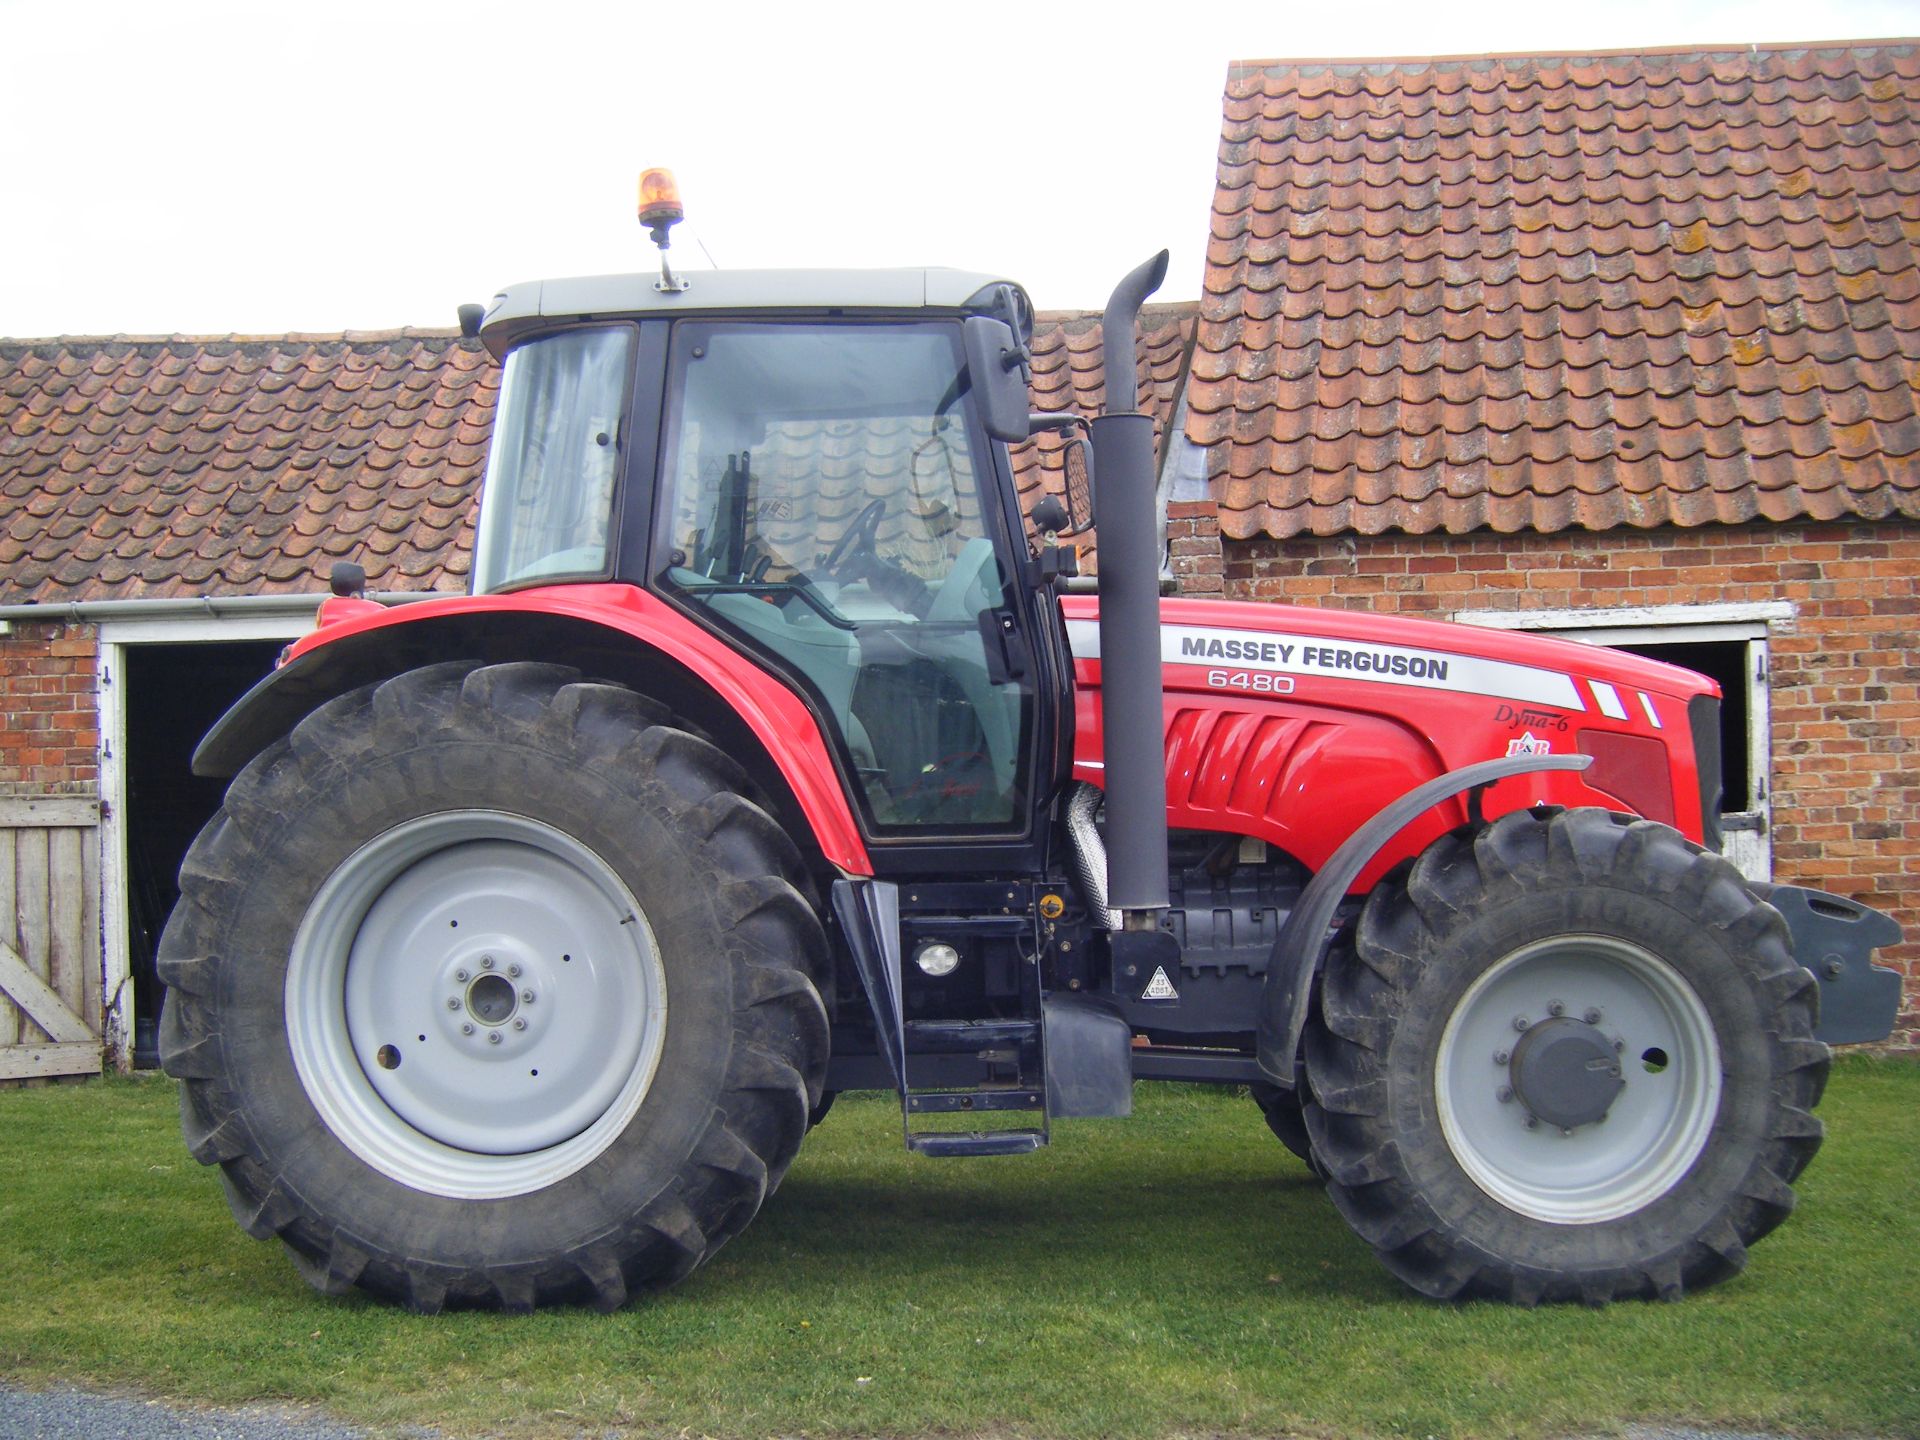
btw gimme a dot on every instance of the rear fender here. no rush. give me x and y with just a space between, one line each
1304 940
609 632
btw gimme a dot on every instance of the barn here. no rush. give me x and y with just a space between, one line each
1622 347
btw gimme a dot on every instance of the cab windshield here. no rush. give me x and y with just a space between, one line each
546 509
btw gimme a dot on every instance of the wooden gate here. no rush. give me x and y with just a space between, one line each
50 964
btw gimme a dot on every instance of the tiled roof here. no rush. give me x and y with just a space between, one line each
133 468
1532 293
148 468
1069 374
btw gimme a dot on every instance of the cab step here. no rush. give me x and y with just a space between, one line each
940 1144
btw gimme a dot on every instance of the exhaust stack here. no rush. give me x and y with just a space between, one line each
1130 679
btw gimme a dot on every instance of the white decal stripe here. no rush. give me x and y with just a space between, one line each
1356 660
1609 699
1653 715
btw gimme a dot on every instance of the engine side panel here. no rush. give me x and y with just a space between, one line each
1295 725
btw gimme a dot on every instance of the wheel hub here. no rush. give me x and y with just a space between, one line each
498 995
1566 1072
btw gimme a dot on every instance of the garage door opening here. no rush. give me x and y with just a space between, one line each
172 694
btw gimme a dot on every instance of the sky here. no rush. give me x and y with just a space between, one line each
209 168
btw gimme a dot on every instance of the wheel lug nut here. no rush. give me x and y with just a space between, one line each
1520 1023
463 975
526 997
486 962
493 1037
514 971
1592 1017
519 1024
1555 1008
1504 1094
467 1029
1533 1122
1565 1131
1500 1057
453 1002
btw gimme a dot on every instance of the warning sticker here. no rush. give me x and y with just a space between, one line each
1160 987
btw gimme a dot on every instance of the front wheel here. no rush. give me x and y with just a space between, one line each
1566 1057
489 986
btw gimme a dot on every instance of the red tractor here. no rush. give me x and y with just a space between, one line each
768 758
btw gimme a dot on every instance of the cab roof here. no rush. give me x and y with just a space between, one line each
535 304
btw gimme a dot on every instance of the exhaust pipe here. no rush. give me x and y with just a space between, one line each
1130 679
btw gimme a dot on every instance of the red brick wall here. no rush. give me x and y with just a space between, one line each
1845 686
49 720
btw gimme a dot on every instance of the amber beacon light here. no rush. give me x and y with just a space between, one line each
660 203
660 211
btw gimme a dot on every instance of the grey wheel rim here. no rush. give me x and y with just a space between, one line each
475 1004
1653 1128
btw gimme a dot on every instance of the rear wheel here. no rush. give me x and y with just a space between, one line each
487 987
1566 1057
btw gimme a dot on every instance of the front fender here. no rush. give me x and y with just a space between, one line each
614 632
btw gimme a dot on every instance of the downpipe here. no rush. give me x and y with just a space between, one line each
1131 703
1090 855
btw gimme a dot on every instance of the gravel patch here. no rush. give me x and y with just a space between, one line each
69 1414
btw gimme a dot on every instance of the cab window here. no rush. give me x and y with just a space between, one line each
546 509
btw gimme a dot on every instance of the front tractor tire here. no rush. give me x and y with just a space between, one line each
487 986
1568 1056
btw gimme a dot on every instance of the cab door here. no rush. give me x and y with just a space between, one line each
828 504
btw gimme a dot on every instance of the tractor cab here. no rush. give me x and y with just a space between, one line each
801 464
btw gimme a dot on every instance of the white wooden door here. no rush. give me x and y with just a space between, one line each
50 975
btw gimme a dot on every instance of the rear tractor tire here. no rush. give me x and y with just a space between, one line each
488 987
1566 1057
1285 1114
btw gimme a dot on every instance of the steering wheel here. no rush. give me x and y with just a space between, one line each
865 530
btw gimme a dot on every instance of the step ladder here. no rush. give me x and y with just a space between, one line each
1015 1043
1088 1044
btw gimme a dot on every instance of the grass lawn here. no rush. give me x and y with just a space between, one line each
1175 1274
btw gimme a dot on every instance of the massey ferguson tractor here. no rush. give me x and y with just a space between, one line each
770 757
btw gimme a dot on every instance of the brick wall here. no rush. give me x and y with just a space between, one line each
1193 548
1845 683
49 720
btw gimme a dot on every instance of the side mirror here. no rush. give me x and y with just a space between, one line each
997 365
1077 514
